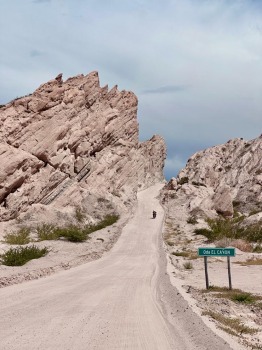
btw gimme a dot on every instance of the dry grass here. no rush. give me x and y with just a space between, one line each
250 262
187 254
218 289
235 295
230 324
20 237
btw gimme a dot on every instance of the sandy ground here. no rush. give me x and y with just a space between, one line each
122 301
179 238
62 255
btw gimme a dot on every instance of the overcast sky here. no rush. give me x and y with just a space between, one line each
195 65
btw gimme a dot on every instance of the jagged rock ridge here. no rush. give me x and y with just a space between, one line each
221 179
70 140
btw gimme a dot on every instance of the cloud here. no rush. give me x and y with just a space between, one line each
173 165
35 53
209 49
166 89
40 1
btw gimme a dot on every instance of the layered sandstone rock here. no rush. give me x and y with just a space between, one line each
220 180
70 140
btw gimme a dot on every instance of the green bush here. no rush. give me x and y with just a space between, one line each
107 221
230 228
205 232
22 236
183 180
21 255
46 232
257 249
71 233
245 298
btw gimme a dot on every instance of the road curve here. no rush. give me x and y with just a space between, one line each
122 301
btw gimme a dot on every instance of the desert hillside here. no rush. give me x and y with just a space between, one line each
215 201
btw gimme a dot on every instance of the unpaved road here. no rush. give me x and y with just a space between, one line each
122 301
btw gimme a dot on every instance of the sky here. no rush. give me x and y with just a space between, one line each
195 65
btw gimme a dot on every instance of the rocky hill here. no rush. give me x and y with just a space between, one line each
216 201
74 143
220 180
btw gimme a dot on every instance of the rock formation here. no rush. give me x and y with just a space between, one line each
72 141
220 180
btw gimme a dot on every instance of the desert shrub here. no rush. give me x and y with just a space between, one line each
183 254
186 254
188 265
254 211
192 220
205 232
252 233
101 200
195 183
46 232
183 180
79 214
116 193
107 221
245 298
230 228
221 228
250 262
21 255
236 204
257 248
20 237
71 233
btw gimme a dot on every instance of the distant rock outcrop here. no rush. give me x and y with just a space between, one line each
70 140
220 180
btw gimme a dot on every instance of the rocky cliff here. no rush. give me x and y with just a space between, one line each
71 143
220 180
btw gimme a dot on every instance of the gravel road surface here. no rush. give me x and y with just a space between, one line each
122 301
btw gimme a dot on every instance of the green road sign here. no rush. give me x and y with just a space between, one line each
216 251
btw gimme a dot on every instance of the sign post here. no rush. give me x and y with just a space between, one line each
229 272
206 272
227 252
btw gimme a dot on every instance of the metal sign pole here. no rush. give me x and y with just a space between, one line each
229 272
206 272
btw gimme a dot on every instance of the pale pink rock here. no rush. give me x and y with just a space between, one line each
69 139
219 180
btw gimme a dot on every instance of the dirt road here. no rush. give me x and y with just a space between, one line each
122 301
